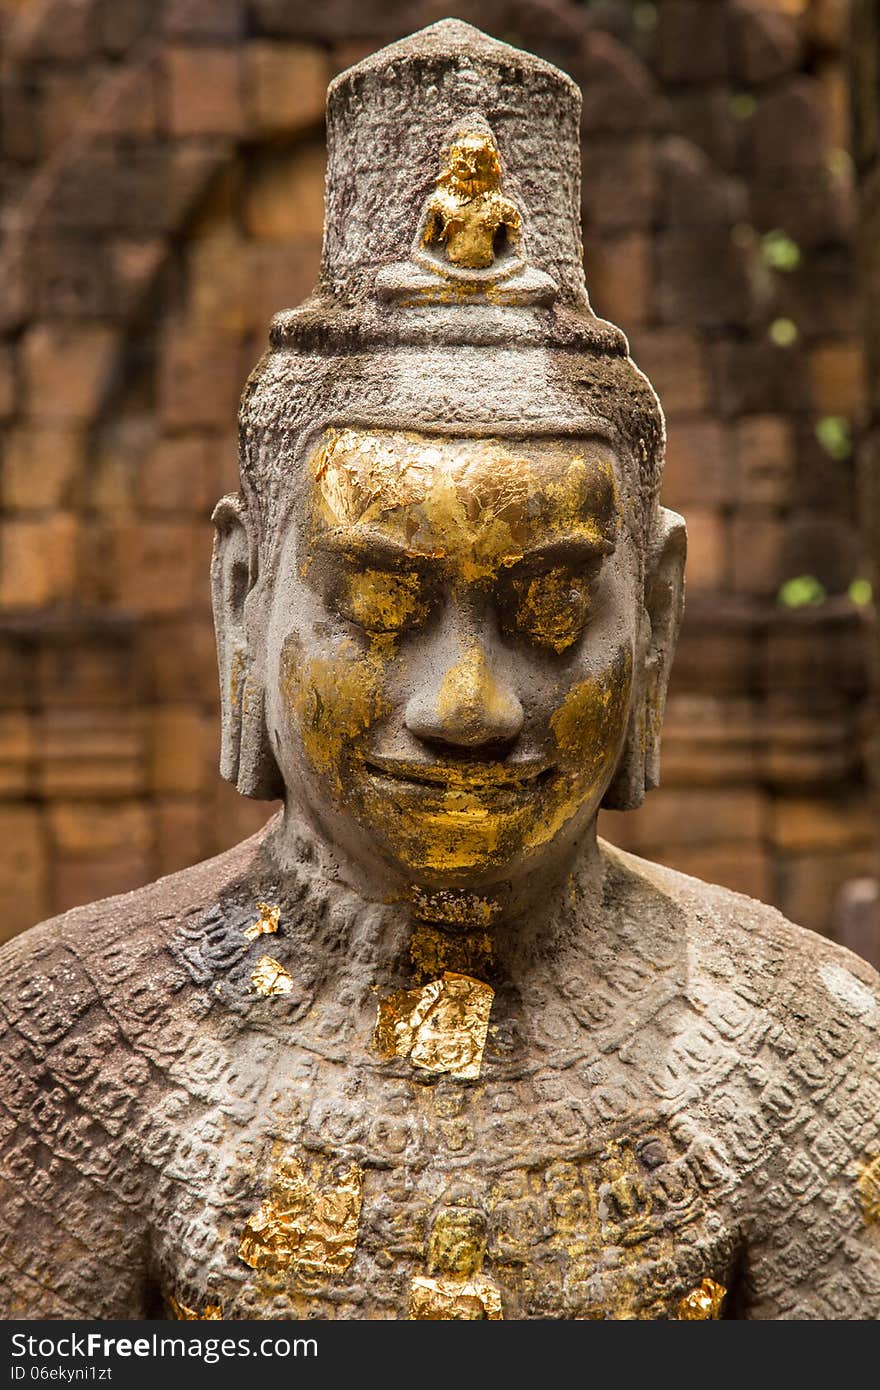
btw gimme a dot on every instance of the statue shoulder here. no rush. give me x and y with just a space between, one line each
96 1008
749 947
111 959
797 1101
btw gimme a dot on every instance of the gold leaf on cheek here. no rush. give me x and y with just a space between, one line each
333 700
591 718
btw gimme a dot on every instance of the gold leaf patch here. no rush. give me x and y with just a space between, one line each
702 1303
269 977
181 1313
303 1225
266 923
440 1027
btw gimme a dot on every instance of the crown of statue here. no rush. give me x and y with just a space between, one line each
453 183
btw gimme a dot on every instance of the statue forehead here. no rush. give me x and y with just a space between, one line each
397 467
480 501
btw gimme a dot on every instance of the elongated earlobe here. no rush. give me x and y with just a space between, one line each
245 754
638 768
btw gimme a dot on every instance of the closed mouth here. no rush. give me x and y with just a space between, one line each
465 775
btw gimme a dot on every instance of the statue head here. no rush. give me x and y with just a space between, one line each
447 598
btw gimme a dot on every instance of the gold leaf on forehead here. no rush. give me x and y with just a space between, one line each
181 1313
440 1027
360 474
302 1225
702 1303
868 1183
266 923
270 977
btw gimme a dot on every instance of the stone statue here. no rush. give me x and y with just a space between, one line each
425 1047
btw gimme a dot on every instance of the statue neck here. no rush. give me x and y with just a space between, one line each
350 921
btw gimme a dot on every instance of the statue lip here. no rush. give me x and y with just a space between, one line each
469 774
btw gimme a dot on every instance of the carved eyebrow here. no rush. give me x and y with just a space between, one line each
573 547
378 547
369 545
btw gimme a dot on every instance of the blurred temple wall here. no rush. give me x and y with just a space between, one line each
162 171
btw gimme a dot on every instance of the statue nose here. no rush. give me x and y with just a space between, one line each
470 706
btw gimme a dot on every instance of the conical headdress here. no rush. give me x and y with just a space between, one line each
452 294
453 181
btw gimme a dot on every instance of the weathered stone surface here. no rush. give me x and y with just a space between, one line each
209 1027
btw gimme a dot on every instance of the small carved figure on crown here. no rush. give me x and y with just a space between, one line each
468 214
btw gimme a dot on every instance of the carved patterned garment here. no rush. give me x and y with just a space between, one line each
682 1102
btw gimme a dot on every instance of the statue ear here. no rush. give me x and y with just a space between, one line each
638 768
245 752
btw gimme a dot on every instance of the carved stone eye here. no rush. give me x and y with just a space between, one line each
550 608
380 600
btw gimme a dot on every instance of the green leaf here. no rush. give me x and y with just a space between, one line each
834 434
802 591
780 251
742 106
860 592
783 332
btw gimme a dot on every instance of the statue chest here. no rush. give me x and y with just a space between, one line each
309 1187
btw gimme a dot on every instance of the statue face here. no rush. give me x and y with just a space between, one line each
451 648
473 160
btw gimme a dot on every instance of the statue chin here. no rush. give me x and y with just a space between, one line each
430 849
